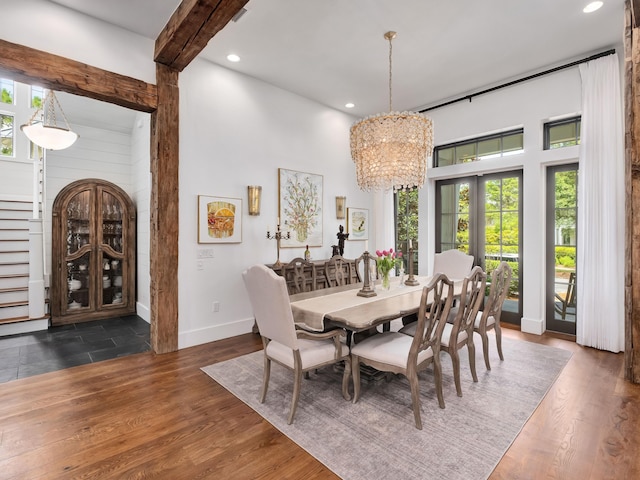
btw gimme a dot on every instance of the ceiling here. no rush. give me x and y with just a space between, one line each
334 52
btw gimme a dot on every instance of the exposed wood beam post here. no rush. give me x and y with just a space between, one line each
191 27
632 187
165 137
28 65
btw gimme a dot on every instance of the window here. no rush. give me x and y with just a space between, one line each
37 95
406 206
6 134
6 87
481 148
562 133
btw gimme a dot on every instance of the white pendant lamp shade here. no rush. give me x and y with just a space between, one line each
43 129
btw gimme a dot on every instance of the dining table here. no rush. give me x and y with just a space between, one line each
342 306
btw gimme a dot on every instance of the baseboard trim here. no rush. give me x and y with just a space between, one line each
143 312
213 333
27 326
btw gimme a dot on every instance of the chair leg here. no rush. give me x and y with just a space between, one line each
355 370
412 376
297 381
498 331
472 358
345 379
265 378
437 373
485 349
455 359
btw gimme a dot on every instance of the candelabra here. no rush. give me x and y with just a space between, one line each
366 290
278 235
411 280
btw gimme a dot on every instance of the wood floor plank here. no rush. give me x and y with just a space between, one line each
160 416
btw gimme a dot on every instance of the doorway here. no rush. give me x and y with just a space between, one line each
562 248
482 216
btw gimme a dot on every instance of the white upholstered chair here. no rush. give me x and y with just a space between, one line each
453 263
297 350
489 317
399 353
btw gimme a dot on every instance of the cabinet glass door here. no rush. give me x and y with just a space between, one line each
112 250
78 244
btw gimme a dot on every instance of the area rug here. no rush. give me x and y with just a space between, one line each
377 438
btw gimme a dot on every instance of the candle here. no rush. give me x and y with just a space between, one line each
410 243
268 228
366 245
278 222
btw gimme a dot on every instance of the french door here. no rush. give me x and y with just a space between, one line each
482 216
562 218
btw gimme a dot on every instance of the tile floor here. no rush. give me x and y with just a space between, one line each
67 346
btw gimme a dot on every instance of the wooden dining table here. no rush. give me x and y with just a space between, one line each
342 307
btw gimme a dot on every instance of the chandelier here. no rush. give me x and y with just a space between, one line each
43 130
390 150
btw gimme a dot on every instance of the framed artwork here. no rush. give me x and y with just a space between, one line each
300 208
219 219
358 223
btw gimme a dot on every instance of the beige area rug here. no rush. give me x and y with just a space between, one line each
376 437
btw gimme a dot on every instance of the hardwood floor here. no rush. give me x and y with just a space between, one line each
159 416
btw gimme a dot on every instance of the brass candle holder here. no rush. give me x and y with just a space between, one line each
367 290
411 280
278 235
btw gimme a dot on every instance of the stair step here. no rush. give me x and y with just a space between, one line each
13 234
12 214
19 294
14 268
22 205
22 318
11 245
13 255
14 309
14 281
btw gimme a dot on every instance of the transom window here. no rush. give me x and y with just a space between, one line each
562 133
481 148
6 91
37 95
6 134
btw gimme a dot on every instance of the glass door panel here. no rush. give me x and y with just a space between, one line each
562 216
79 282
78 223
111 222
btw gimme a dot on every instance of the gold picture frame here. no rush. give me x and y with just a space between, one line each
300 208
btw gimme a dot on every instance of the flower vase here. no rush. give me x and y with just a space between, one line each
386 281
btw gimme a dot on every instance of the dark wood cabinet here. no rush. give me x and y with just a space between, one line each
93 253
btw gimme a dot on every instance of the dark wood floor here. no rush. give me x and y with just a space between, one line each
159 416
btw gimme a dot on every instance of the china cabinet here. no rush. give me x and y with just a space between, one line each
93 253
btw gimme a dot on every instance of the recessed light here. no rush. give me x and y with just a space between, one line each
592 7
232 57
349 105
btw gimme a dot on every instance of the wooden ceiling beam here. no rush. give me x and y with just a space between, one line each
635 13
28 65
190 28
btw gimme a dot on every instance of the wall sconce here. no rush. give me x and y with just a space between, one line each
340 210
254 192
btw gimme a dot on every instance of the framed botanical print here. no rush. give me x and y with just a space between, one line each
358 223
219 219
300 208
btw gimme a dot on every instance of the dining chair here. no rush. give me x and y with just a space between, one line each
297 350
458 331
337 271
489 317
453 263
566 303
299 275
399 353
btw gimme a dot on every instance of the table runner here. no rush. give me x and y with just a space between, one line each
310 313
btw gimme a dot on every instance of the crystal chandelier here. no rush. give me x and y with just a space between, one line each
390 150
43 130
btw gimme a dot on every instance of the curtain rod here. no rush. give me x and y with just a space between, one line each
520 80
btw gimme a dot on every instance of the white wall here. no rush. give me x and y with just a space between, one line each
237 131
528 105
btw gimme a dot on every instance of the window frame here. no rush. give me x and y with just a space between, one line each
577 120
476 141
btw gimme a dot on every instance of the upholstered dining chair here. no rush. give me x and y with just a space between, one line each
297 350
489 317
458 332
399 353
453 263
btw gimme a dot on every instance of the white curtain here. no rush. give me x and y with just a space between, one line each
601 210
